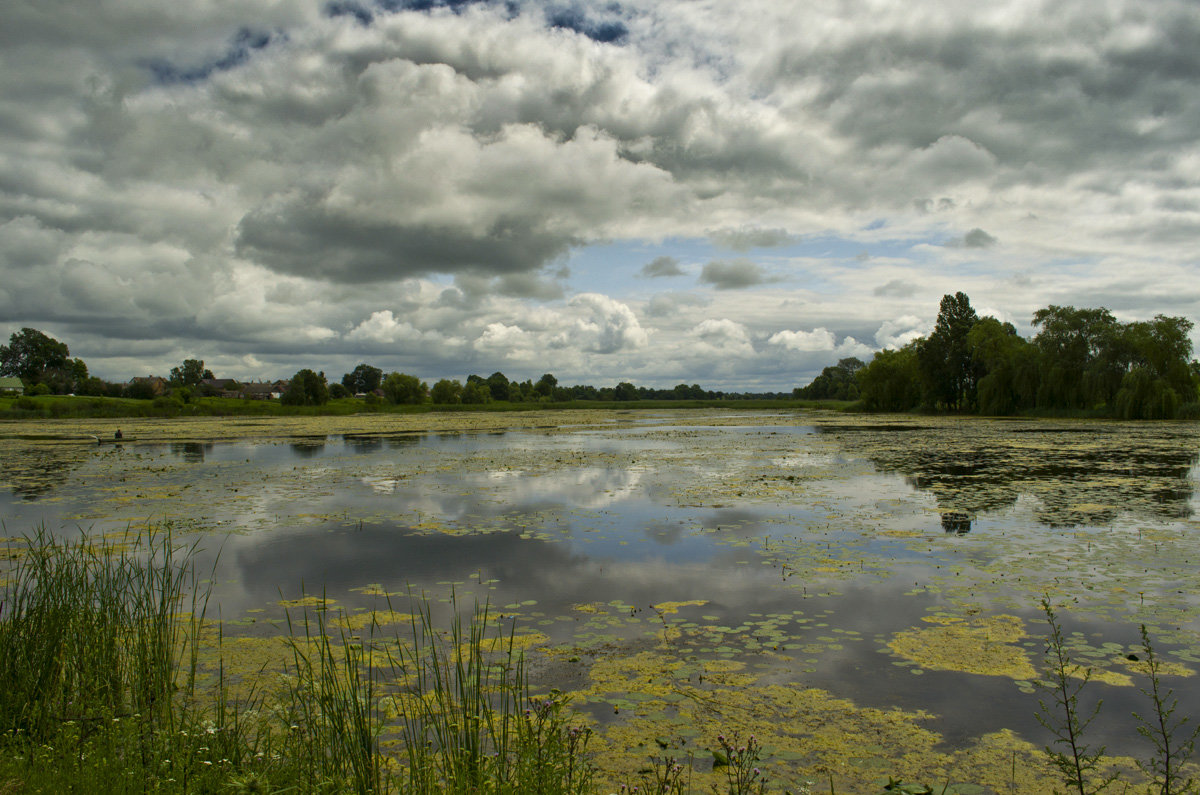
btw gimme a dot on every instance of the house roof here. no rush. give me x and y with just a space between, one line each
10 382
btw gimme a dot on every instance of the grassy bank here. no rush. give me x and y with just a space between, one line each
76 407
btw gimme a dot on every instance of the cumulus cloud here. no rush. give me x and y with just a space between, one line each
254 183
382 326
732 274
604 325
898 332
819 339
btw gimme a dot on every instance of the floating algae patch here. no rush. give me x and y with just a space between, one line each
671 608
806 735
373 618
319 602
983 645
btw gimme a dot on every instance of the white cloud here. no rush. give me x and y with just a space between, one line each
819 339
382 326
604 325
898 332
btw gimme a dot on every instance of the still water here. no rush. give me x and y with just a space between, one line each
859 556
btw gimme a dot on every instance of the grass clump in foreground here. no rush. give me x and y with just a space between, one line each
99 644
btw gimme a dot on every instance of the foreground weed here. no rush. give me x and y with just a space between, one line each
664 776
469 721
1078 764
333 719
1174 743
740 761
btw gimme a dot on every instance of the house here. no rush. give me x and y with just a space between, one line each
11 386
220 387
259 392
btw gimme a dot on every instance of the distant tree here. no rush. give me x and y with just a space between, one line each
338 391
498 385
545 386
93 387
944 357
30 354
836 382
404 388
446 392
1159 381
1081 365
190 373
306 389
79 372
625 391
141 389
362 379
1005 367
476 392
892 380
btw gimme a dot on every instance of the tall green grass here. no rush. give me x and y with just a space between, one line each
470 721
100 642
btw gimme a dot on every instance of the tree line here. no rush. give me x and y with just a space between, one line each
44 366
1080 361
313 388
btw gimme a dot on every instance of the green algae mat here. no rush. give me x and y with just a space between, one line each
859 593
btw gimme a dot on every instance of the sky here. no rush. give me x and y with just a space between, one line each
735 193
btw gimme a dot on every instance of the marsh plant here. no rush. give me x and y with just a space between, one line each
99 649
469 719
1077 762
98 645
1174 742
331 716
740 763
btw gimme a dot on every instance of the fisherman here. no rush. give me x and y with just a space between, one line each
118 434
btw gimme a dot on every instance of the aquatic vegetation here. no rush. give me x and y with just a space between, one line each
669 569
1174 743
985 645
1079 764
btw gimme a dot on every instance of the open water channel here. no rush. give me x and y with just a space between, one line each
860 592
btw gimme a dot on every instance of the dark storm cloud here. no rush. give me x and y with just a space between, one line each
733 274
977 238
304 238
661 267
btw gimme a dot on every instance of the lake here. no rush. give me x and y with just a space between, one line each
860 592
